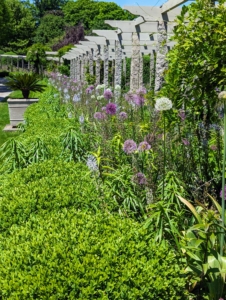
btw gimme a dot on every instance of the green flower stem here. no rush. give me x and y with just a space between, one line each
223 185
164 153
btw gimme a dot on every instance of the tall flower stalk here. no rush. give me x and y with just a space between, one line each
222 96
163 104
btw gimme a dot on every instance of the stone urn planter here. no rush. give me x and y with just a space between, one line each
17 108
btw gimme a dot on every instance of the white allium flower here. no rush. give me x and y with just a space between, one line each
76 98
108 90
103 86
99 98
163 103
81 119
93 97
117 88
65 91
99 87
222 95
70 115
92 163
67 97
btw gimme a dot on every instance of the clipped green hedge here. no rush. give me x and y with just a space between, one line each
79 255
47 186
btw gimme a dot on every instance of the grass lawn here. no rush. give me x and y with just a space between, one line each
4 120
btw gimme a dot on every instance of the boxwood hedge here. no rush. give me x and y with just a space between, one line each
68 254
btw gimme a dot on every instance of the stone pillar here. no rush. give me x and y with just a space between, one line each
124 67
91 63
75 69
135 61
18 63
152 69
161 63
71 68
22 63
78 69
106 63
141 71
82 68
112 71
118 67
11 64
98 69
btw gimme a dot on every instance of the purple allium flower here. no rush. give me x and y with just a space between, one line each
111 108
129 146
185 142
182 115
141 91
138 100
103 108
140 178
144 146
129 97
224 193
88 91
91 87
98 116
108 94
123 115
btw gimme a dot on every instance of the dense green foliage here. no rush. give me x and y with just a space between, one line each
76 255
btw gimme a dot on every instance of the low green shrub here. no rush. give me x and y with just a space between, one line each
47 186
79 255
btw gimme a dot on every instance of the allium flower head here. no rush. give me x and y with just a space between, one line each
108 94
88 90
129 146
67 97
142 91
143 146
70 115
222 95
76 98
99 87
182 115
123 115
98 115
163 104
93 97
103 108
92 163
140 178
138 100
117 88
65 91
99 98
111 108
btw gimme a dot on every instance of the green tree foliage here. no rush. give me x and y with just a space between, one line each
37 56
4 20
197 61
43 6
92 13
20 28
51 27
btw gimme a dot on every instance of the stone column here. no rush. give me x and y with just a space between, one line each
106 63
98 69
152 69
118 67
141 71
22 63
124 67
91 63
75 69
161 63
78 69
71 67
18 64
112 71
135 62
82 68
11 64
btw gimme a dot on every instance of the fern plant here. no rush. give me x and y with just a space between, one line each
25 83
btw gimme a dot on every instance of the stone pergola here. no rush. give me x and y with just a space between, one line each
148 34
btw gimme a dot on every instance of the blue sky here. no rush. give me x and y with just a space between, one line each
137 2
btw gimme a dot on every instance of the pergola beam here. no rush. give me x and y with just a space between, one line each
171 4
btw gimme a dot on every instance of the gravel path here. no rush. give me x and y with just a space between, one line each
4 91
